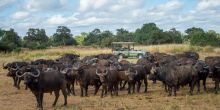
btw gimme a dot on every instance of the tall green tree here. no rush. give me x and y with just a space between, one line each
192 31
145 34
93 38
36 39
107 38
63 36
9 40
81 38
124 35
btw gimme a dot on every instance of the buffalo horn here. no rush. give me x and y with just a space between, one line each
97 72
19 76
38 73
217 67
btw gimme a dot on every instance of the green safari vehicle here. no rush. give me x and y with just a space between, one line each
126 49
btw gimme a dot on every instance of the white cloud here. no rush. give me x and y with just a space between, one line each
169 6
57 19
37 5
4 3
207 4
92 20
61 20
20 15
86 5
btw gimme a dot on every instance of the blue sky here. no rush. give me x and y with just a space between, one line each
85 15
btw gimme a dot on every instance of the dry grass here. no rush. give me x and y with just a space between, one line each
155 99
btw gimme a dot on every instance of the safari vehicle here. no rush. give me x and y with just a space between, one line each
126 49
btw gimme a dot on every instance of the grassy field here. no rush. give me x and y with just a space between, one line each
155 99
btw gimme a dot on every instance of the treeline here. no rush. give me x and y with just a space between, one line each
148 34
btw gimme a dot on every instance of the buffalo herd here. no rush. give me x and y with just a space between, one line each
106 71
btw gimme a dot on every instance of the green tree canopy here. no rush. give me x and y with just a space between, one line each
80 38
9 40
63 37
36 39
123 35
145 34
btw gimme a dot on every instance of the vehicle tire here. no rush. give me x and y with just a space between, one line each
140 56
120 56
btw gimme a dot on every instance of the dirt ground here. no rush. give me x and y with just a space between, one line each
155 99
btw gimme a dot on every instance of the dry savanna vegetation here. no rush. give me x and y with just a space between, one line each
155 99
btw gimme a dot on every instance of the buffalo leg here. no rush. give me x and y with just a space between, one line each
169 90
165 86
198 85
129 87
116 89
18 83
15 83
37 98
192 84
174 90
81 88
41 99
138 86
122 84
111 89
73 88
216 86
97 86
204 84
86 90
133 85
65 96
56 97
146 84
68 89
26 87
104 89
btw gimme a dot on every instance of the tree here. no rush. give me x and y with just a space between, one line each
9 40
93 38
201 38
123 35
191 31
63 37
174 36
145 34
36 39
106 38
80 38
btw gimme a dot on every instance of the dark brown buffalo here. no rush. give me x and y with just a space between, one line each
165 60
148 65
216 76
203 71
109 78
70 78
185 61
157 56
211 61
111 57
43 61
41 82
175 76
87 76
192 55
68 58
12 69
141 73
124 62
